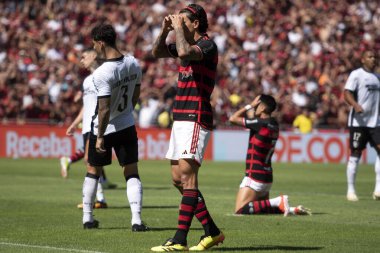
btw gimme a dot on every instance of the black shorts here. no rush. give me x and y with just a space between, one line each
360 136
124 143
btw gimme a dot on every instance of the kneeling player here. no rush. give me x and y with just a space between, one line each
253 195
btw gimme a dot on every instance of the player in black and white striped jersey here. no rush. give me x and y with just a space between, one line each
117 82
362 93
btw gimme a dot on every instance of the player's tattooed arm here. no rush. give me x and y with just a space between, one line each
160 49
103 114
184 49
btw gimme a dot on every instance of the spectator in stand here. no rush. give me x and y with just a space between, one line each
303 122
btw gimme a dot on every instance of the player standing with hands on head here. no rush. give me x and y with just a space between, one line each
117 82
253 195
362 93
193 119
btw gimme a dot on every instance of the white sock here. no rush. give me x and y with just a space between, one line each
89 192
134 194
352 167
377 171
99 193
275 202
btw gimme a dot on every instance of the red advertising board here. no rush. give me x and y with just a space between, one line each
41 141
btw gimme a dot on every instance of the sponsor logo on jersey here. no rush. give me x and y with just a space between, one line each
124 80
372 87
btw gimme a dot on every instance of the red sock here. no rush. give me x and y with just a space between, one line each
258 207
186 213
204 217
79 154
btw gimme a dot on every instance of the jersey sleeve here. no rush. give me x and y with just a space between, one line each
253 124
172 48
352 82
208 48
102 83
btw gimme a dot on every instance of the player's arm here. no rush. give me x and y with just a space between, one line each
160 49
136 95
71 129
350 99
184 49
238 117
104 104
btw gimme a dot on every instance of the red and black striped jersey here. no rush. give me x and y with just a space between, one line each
262 141
196 81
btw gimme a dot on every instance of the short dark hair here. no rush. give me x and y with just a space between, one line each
269 102
195 11
105 33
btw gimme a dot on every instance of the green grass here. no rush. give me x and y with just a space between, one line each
38 210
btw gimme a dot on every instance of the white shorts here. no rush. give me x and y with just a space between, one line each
188 140
258 187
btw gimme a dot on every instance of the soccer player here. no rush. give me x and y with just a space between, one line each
362 93
89 62
193 119
117 82
253 195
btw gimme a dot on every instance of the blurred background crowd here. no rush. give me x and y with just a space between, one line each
299 51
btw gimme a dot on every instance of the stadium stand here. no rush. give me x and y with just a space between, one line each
299 51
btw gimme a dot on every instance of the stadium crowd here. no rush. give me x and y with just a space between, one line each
301 52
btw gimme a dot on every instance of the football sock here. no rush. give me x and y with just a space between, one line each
260 207
89 192
186 212
79 154
134 194
377 171
352 166
99 193
204 217
275 202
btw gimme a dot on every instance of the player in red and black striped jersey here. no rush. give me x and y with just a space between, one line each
253 195
193 120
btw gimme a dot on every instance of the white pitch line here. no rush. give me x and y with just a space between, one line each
48 247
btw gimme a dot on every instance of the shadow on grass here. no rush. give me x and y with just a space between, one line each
268 247
145 188
150 229
144 207
172 229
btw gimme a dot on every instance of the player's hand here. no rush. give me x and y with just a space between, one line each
177 21
70 131
358 108
256 101
100 145
167 24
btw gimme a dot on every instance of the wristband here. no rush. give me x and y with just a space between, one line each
248 107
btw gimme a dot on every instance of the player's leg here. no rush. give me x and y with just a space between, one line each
126 150
253 198
67 161
106 184
375 142
100 196
358 141
176 175
189 180
95 163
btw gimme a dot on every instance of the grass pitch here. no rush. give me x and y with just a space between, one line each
38 210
